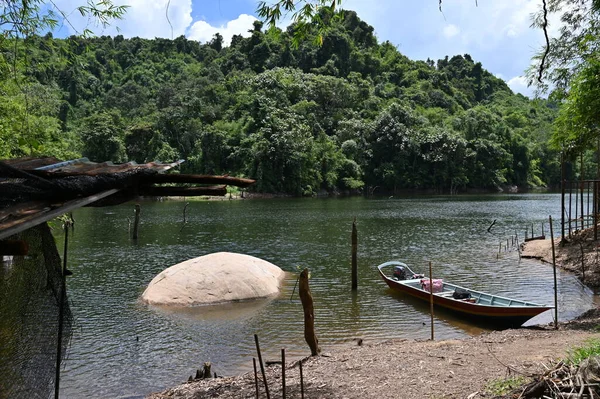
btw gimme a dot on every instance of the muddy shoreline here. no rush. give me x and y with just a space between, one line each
409 368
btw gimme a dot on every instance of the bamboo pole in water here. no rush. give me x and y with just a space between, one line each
431 299
354 256
136 222
554 270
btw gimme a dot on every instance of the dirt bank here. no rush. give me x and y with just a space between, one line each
408 368
569 255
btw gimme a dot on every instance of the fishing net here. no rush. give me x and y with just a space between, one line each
30 292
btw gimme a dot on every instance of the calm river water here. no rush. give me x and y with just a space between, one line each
121 348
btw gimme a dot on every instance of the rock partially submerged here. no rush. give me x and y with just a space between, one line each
215 278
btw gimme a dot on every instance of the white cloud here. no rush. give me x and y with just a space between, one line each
144 18
203 31
518 84
450 31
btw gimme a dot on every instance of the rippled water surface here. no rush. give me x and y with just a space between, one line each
121 348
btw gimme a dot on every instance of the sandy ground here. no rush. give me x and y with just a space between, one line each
429 369
408 368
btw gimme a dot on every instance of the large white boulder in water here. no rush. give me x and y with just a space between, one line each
214 278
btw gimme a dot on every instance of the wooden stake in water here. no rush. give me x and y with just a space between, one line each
354 256
136 222
554 270
431 298
262 366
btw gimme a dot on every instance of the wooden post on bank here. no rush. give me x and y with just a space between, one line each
283 373
301 380
136 222
255 376
262 366
309 314
431 298
554 270
354 256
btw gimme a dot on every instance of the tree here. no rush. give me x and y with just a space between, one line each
102 135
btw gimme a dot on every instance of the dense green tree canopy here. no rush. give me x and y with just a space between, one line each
345 115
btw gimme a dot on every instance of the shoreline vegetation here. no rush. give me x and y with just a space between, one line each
474 367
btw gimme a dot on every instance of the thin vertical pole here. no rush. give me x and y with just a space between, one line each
554 271
262 366
595 201
532 234
562 194
543 235
570 202
283 373
136 223
301 381
354 256
63 283
431 299
581 188
587 203
255 376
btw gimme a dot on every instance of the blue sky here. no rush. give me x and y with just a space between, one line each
495 32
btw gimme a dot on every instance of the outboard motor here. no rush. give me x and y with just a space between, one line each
399 273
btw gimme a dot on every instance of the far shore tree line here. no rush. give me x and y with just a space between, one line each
344 115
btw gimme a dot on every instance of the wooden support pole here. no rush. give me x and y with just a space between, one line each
554 270
431 299
283 373
354 256
255 376
262 366
309 314
61 310
582 263
543 229
301 381
595 201
136 222
570 207
581 189
562 195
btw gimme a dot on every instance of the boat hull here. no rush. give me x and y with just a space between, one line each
498 316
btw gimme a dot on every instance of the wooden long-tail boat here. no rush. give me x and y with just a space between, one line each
478 306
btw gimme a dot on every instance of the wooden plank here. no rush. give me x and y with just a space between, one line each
182 191
69 206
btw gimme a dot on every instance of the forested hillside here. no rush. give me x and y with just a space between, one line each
346 115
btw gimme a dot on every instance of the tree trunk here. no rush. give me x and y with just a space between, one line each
309 315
